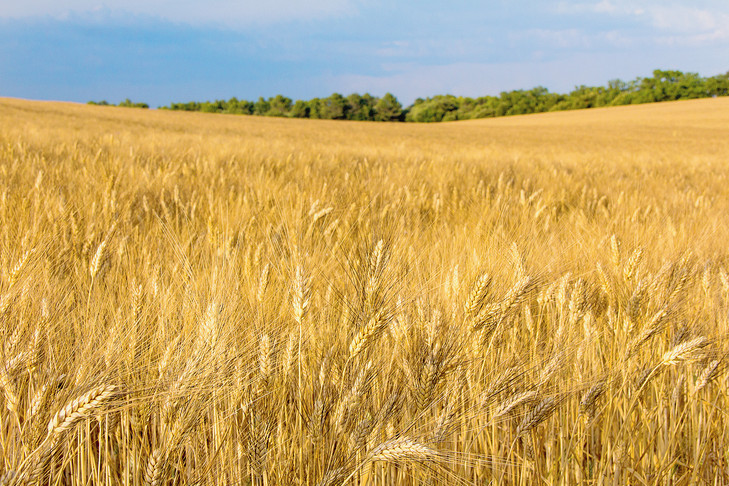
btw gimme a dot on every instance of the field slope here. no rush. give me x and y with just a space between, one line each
209 299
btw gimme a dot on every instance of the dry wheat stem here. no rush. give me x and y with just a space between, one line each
80 408
685 351
262 336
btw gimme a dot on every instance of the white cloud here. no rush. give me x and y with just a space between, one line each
689 26
225 12
418 47
672 21
696 40
611 7
616 38
688 19
571 38
564 38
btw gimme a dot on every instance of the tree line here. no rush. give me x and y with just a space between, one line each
662 86
127 103
336 107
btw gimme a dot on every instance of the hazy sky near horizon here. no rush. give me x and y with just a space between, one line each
160 51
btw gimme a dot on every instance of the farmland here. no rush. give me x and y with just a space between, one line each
189 298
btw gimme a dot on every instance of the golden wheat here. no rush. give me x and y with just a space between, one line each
523 300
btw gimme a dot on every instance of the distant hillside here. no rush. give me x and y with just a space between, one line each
662 86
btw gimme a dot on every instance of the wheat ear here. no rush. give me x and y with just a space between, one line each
8 477
74 411
80 408
587 404
154 467
537 415
707 375
369 333
684 351
518 399
8 390
332 476
97 259
478 295
402 449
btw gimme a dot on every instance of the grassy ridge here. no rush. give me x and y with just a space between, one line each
189 298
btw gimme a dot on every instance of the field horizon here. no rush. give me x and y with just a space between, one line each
191 298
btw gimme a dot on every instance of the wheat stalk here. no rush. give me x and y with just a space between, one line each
301 295
39 397
478 294
265 364
526 397
685 351
18 267
358 437
80 408
516 294
707 375
263 283
96 261
653 327
615 250
590 398
333 476
402 449
8 390
537 415
155 467
368 334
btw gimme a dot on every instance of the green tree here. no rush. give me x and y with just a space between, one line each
333 108
127 103
246 107
300 109
388 108
433 109
279 106
315 108
261 106
208 107
718 85
360 107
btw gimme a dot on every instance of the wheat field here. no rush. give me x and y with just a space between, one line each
223 300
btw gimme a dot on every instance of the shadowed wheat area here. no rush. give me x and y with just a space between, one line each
209 299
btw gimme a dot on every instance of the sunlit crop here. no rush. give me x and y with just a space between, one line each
210 299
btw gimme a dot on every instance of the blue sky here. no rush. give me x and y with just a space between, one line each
160 51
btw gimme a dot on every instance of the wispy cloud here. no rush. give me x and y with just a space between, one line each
701 22
560 38
617 7
229 13
685 19
718 36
